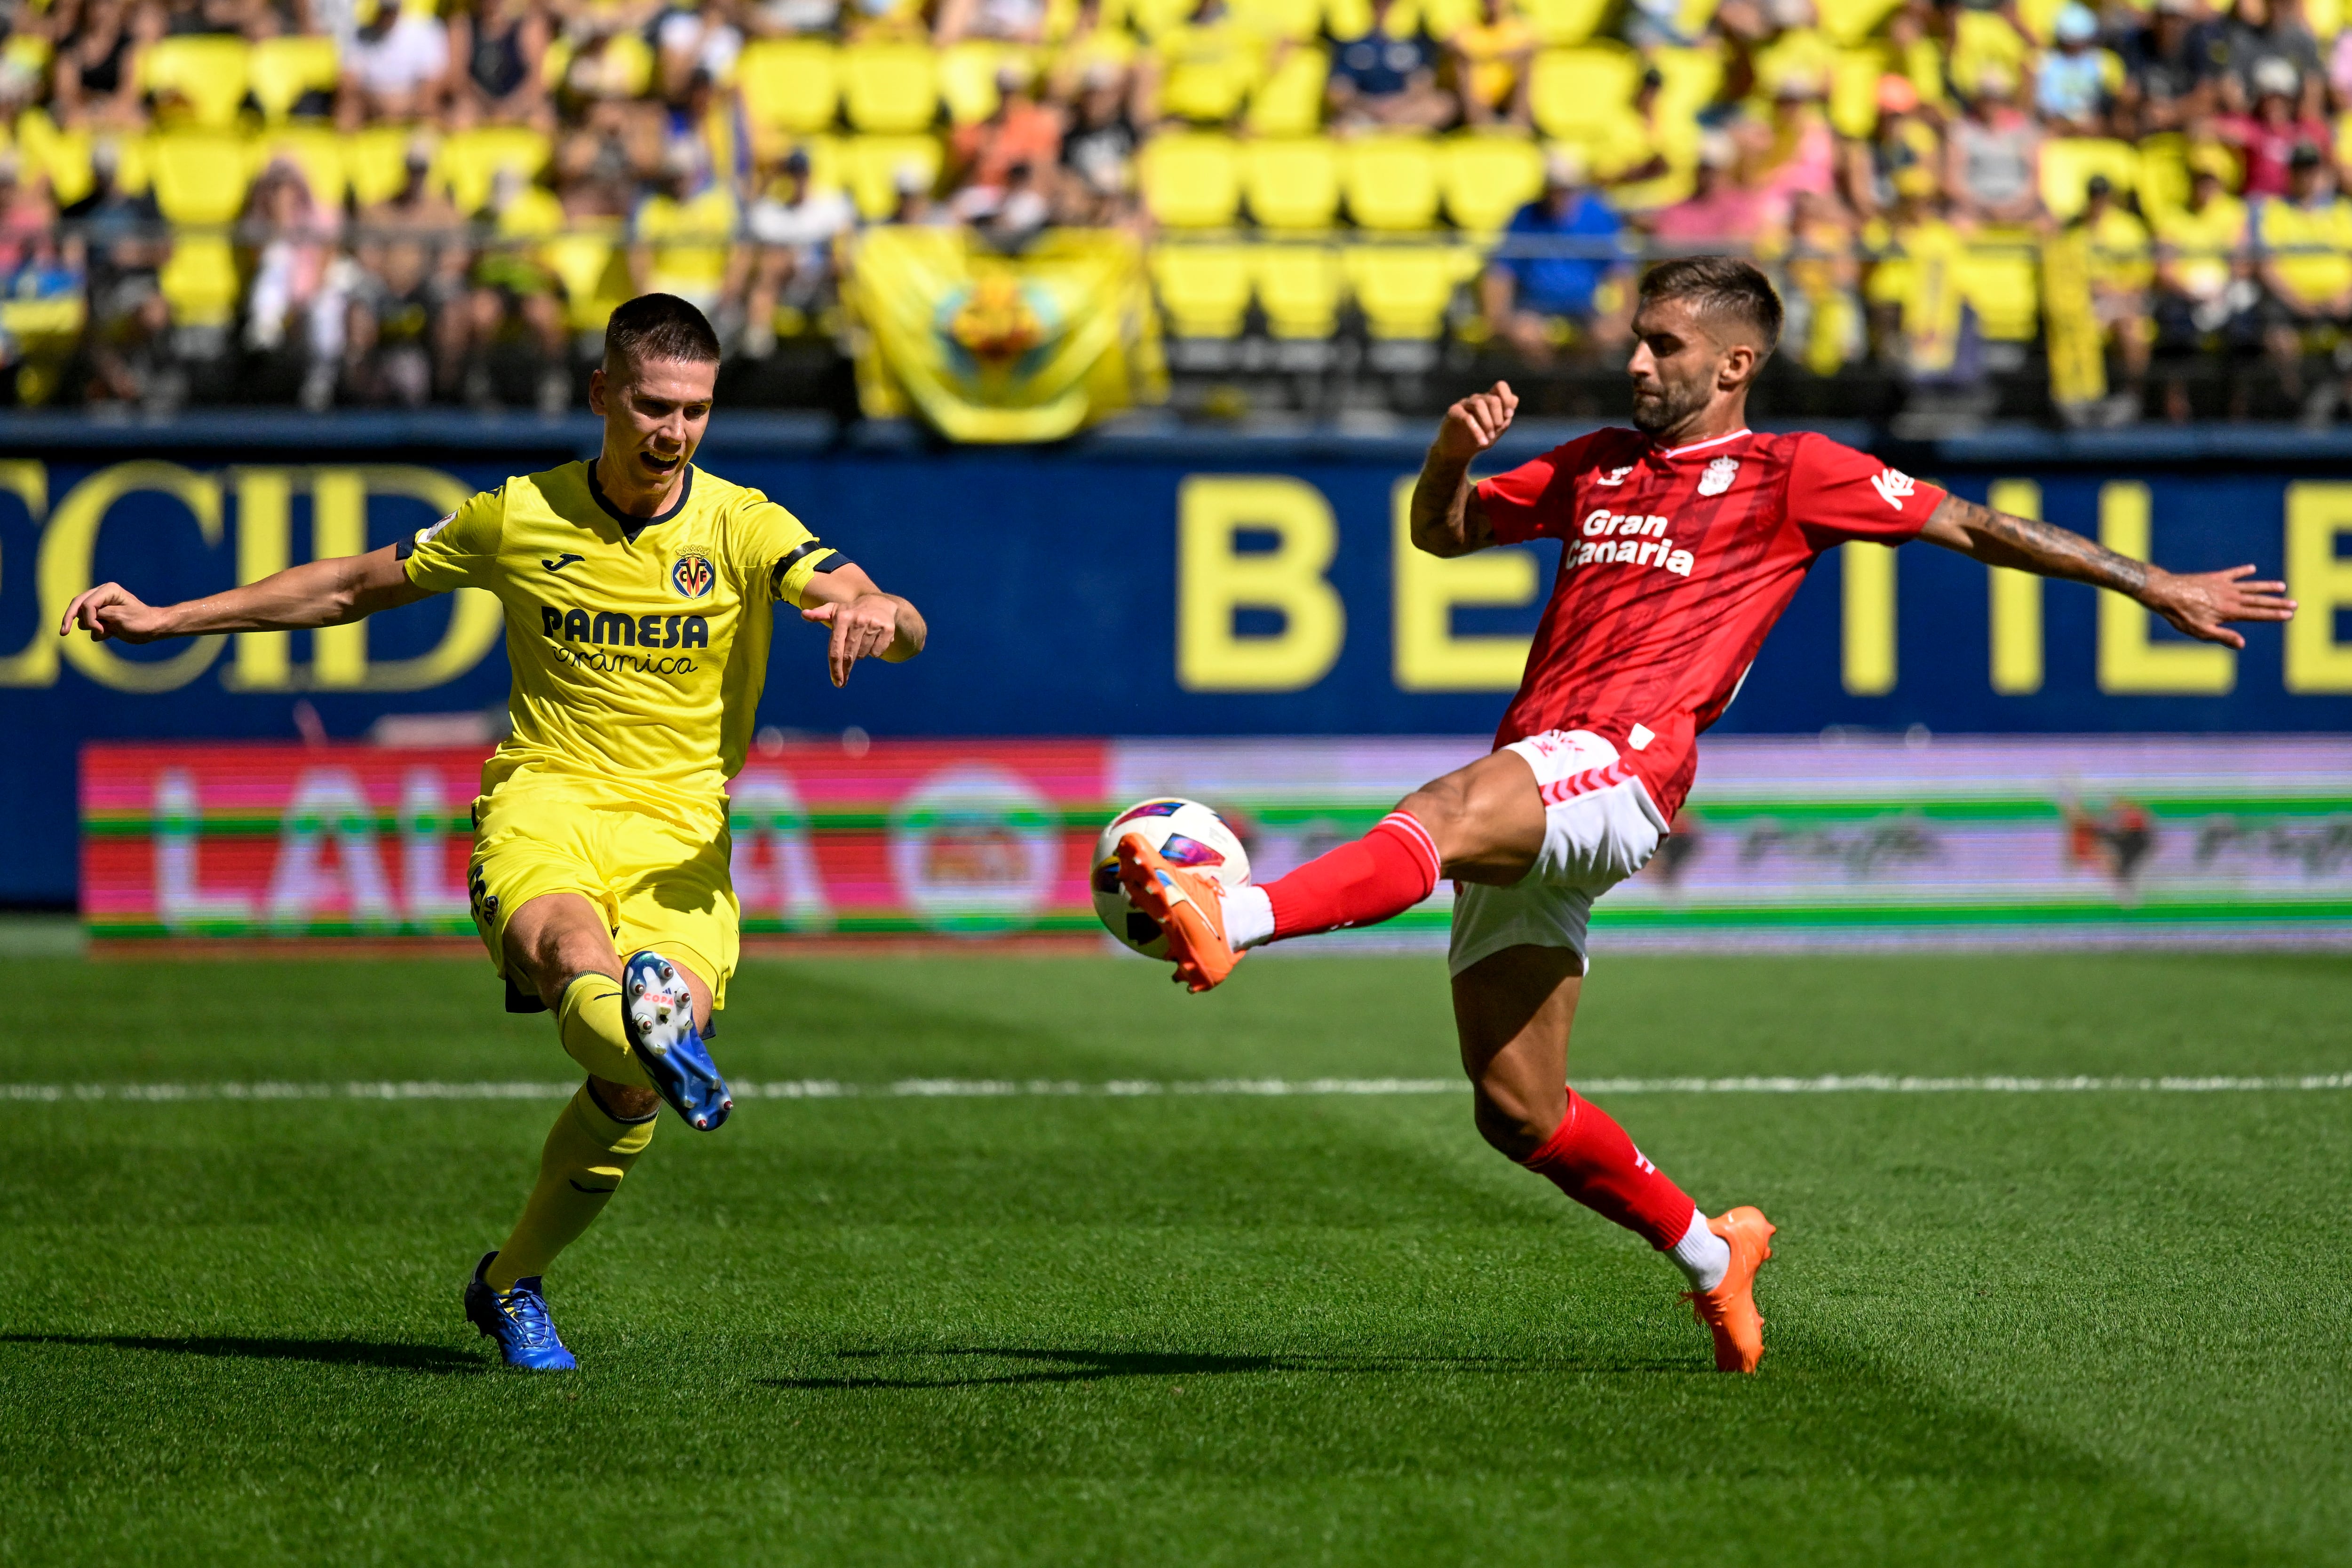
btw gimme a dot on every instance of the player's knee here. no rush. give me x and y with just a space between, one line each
1440 807
1514 1128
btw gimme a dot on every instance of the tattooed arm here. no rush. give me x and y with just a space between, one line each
2198 603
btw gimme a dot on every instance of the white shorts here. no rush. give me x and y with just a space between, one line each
1600 828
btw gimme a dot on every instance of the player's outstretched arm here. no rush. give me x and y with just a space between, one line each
317 593
1447 520
2200 603
866 623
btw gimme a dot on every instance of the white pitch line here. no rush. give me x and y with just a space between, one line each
1136 1088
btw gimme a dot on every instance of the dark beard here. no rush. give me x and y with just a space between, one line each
1658 416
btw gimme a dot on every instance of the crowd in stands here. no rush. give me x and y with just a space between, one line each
391 202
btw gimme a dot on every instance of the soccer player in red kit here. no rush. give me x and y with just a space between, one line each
1683 539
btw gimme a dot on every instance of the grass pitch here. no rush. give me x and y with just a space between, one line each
2052 1328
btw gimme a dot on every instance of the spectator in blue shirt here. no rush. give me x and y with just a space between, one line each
1559 276
1387 80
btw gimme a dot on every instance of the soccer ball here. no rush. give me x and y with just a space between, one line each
1189 834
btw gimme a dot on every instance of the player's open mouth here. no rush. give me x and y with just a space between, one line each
659 464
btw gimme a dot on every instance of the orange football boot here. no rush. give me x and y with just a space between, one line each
1188 906
1729 1309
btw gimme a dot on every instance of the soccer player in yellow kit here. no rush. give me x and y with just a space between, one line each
637 591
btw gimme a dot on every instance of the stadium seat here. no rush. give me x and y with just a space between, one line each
206 71
2069 162
200 280
591 263
870 166
1849 22
2164 163
1488 177
1391 183
1191 180
1288 100
467 163
1299 289
968 73
1999 277
790 86
890 87
1404 291
64 156
1561 23
1148 17
280 71
1297 20
316 151
375 163
1204 289
198 177
1441 19
1576 91
1293 182
1854 91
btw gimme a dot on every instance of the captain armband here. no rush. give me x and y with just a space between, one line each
828 560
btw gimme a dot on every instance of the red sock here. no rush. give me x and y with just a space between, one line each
1592 1160
1379 876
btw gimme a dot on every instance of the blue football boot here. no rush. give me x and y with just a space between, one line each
518 1320
660 1014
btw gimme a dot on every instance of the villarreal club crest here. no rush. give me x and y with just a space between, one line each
692 574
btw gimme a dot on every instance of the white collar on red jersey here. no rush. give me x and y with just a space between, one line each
1700 445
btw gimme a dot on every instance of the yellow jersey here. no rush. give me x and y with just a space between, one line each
638 645
2203 244
2310 247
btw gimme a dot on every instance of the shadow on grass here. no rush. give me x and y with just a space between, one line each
1096 1365
391 1355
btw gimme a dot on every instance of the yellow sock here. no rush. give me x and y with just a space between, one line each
589 1021
588 1151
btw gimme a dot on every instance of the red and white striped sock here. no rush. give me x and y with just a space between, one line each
1375 878
1590 1158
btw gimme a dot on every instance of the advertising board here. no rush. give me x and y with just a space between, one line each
1810 841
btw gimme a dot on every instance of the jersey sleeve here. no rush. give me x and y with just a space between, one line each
461 550
776 553
1532 500
1836 494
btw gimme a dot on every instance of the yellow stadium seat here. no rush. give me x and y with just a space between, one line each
2069 162
64 156
629 65
375 163
1191 180
1149 18
788 84
1204 289
1565 22
1849 21
870 166
890 87
1299 289
199 176
206 70
280 71
1999 277
317 152
1575 92
1292 184
1854 91
968 73
467 163
1488 177
200 280
1288 100
1441 19
591 263
1391 183
1403 289
1293 19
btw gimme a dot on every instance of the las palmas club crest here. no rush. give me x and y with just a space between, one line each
1719 476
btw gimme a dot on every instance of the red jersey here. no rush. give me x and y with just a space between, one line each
1674 564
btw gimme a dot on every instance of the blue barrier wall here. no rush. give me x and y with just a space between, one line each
1123 587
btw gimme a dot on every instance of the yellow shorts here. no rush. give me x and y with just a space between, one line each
660 886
